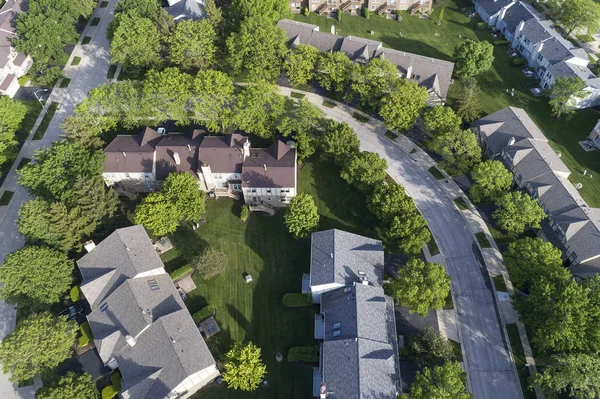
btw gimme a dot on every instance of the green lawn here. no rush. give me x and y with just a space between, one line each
519 355
418 36
263 248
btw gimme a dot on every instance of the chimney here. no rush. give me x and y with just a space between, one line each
409 72
333 29
176 158
246 149
89 245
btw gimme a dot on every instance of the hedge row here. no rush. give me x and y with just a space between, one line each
86 334
203 313
296 300
309 354
181 272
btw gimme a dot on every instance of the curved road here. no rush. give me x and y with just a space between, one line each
491 373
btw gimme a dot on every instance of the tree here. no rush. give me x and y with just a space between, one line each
440 382
459 150
35 277
165 95
136 42
339 142
374 81
258 108
300 64
37 344
420 286
469 105
192 44
301 216
575 14
258 48
364 170
302 121
212 100
428 348
183 191
529 258
157 214
272 10
211 263
441 120
333 71
401 108
244 369
11 115
473 57
563 95
69 386
577 375
492 180
517 212
55 169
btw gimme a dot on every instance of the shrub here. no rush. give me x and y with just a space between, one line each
86 335
309 354
211 263
245 213
482 26
181 272
296 300
306 11
203 313
366 13
501 42
75 294
519 61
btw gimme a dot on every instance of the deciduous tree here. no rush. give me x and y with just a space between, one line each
473 57
192 44
428 348
563 95
69 386
517 212
244 369
401 108
301 216
212 100
491 179
459 150
37 344
339 142
420 286
211 263
300 64
364 170
529 258
441 382
577 375
333 71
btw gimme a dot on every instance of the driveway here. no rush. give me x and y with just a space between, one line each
491 374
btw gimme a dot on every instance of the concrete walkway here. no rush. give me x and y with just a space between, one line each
90 73
491 372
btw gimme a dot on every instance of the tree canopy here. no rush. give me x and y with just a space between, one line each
401 108
491 181
529 258
69 386
517 212
473 57
244 369
35 277
420 286
301 216
38 344
300 64
440 382
364 170
563 95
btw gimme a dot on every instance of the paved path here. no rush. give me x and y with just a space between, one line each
90 73
491 371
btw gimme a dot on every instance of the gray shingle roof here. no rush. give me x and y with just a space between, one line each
361 362
492 7
340 257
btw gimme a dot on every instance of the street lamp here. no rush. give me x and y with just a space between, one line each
36 95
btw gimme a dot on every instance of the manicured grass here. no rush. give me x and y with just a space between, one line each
104 4
111 71
6 197
33 111
435 172
520 362
64 83
95 21
46 121
76 61
482 240
499 283
328 104
360 117
297 95
461 204
391 135
86 40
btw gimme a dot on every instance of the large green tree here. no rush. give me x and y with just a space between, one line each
375 80
333 71
564 93
38 344
244 369
339 142
136 42
212 100
576 14
517 212
420 286
35 277
428 348
258 109
300 64
491 181
69 386
459 150
192 45
258 49
364 170
301 216
401 108
576 375
529 258
473 57
441 382
11 115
